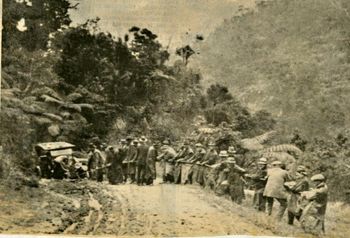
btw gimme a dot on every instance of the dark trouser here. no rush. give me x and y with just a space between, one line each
125 171
291 217
259 200
140 177
283 206
131 171
99 175
237 193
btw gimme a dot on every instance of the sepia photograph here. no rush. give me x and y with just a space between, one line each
175 118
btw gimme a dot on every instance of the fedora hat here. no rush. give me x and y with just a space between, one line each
276 163
262 161
230 160
318 177
223 153
231 149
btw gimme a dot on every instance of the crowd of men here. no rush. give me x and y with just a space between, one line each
134 161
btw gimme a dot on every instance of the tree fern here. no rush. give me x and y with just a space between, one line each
255 143
284 148
282 156
251 144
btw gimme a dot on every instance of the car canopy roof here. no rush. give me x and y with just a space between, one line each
54 146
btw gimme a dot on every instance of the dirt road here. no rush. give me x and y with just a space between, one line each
176 210
90 208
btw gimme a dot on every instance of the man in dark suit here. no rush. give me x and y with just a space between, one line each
141 159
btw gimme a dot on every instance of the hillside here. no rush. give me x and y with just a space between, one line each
288 57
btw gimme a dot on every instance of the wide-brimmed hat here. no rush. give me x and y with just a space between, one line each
318 177
199 145
230 160
136 141
223 153
262 161
109 147
276 163
301 168
143 139
122 141
211 143
231 149
166 142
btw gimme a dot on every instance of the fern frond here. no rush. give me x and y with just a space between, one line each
264 137
251 144
284 148
255 143
282 156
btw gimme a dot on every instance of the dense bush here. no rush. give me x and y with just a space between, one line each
288 57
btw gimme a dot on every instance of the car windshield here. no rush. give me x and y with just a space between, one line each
56 153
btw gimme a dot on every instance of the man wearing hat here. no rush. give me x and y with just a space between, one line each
235 180
313 216
185 152
211 155
223 155
194 173
95 162
221 173
91 166
298 186
259 178
130 160
168 154
232 152
274 189
150 170
210 158
114 165
123 148
141 159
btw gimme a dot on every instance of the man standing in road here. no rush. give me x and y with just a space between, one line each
235 180
131 157
95 163
125 143
142 151
210 158
114 165
299 185
259 182
313 216
276 177
168 154
150 170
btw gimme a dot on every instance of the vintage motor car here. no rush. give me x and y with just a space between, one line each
58 160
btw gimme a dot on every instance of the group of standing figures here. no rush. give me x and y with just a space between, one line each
134 161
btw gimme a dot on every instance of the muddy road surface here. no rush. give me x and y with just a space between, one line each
175 210
90 208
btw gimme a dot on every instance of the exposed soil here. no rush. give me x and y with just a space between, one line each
90 208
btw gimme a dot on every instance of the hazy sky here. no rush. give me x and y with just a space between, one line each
178 20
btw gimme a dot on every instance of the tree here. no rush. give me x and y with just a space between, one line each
148 50
185 52
263 121
218 94
40 18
